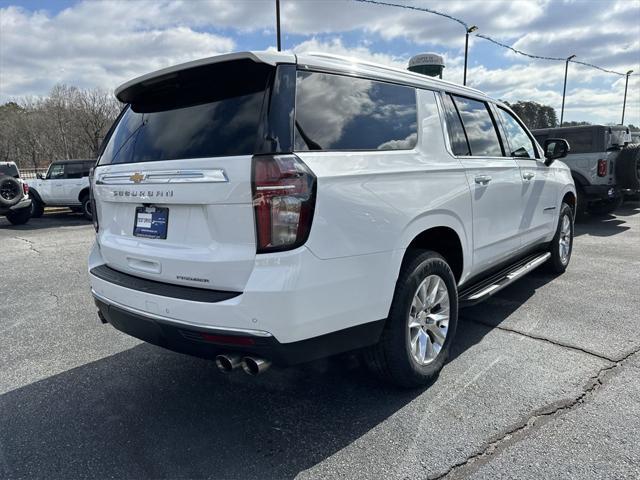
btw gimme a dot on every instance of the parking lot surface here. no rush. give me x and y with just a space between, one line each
544 383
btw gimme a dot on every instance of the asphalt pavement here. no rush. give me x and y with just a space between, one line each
544 382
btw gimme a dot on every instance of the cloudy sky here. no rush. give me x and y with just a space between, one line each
104 43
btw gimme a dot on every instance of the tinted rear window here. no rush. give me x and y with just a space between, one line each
9 170
479 126
335 112
210 112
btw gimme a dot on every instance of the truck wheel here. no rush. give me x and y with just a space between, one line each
419 331
19 217
10 191
562 243
628 168
37 208
606 207
86 207
581 205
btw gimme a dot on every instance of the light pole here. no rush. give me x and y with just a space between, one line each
471 29
564 89
278 24
624 103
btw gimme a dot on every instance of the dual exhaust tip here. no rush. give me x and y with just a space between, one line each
251 365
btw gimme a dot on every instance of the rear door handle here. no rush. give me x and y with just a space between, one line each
528 175
483 179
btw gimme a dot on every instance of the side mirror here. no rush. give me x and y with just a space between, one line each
555 148
39 176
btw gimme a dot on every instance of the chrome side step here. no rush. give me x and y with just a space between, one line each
483 290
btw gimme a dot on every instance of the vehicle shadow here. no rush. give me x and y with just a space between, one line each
492 312
609 225
60 217
151 413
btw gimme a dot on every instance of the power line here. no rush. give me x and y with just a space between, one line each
486 37
420 9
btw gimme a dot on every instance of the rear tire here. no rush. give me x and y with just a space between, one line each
86 207
421 326
606 207
581 206
19 217
37 208
628 168
562 243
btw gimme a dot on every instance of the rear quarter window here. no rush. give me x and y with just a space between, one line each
335 112
9 170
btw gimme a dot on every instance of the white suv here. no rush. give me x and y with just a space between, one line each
66 184
266 208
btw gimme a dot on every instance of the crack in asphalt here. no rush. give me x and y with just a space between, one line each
547 340
535 420
31 244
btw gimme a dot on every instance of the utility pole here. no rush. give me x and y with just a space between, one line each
624 103
471 29
564 89
278 24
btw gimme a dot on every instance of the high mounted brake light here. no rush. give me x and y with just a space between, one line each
284 193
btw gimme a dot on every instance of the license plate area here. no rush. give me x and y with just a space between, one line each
151 222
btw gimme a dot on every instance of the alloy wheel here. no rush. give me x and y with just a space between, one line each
428 321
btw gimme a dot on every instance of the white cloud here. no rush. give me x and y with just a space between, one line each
105 43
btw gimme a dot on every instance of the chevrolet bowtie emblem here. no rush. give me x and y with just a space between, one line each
137 177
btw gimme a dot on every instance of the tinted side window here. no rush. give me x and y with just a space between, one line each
457 137
519 142
9 170
74 170
56 170
335 112
478 124
580 142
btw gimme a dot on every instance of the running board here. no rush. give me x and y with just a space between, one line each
484 289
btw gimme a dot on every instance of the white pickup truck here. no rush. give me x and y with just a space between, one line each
66 184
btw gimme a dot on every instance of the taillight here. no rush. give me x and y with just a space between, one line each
25 188
284 191
602 168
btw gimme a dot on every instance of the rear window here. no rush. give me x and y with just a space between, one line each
9 170
335 112
212 111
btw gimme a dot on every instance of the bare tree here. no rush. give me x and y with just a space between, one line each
68 123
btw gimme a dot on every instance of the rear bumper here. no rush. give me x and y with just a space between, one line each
208 342
290 296
24 203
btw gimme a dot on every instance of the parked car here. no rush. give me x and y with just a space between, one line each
66 184
266 207
604 164
14 195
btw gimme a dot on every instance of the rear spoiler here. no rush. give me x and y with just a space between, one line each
127 92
